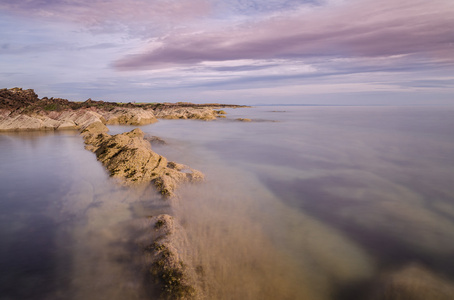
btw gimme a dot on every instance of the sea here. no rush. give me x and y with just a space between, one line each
302 202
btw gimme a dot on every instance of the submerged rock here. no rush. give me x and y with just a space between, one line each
244 120
155 140
164 270
129 156
413 282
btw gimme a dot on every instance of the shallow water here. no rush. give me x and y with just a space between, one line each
301 203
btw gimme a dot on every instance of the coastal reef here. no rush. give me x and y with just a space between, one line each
130 157
127 156
23 110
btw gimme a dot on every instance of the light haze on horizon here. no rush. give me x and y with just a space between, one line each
357 52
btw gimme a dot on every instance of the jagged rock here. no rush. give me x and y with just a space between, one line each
16 98
202 113
72 119
413 282
24 122
130 157
52 121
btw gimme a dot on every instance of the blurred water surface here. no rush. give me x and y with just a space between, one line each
300 203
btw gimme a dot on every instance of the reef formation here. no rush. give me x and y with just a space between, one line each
128 157
22 110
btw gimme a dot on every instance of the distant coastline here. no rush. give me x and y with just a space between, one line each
22 110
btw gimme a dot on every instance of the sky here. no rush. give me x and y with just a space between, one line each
341 52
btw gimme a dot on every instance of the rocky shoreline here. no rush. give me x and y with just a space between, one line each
22 110
128 157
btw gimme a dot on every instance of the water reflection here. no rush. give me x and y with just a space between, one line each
328 203
62 222
372 188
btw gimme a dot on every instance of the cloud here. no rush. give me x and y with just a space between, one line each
115 14
341 29
210 49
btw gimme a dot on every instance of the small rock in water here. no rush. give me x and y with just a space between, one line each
244 119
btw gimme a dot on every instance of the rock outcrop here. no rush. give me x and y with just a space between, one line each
17 98
129 156
12 121
205 114
128 116
23 110
164 270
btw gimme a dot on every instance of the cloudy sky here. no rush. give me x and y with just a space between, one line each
238 51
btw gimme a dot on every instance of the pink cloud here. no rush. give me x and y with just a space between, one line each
354 28
97 12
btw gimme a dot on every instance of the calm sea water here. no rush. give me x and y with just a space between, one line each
300 203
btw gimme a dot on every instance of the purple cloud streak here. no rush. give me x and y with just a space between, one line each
357 28
112 12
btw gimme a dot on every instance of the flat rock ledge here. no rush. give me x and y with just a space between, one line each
204 113
72 119
129 156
